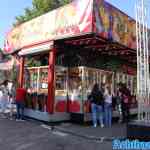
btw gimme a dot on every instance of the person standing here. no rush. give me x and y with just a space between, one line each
4 97
119 104
119 101
12 99
96 98
20 103
126 95
108 106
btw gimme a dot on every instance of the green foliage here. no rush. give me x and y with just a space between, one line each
39 7
1 54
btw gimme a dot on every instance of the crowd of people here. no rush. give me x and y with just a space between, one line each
101 98
12 99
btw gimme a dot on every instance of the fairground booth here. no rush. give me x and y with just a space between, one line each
63 53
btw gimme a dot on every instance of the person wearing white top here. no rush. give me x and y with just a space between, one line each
12 95
4 97
108 107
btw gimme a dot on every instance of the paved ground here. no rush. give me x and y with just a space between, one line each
117 130
34 135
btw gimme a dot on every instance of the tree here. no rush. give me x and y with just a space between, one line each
1 54
1 51
39 7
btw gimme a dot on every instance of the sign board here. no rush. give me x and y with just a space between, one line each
78 17
72 19
114 25
36 49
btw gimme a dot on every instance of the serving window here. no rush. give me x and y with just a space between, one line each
75 79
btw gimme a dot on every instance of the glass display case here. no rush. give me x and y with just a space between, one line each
43 80
92 76
81 82
72 86
31 79
130 82
36 83
61 81
61 88
75 89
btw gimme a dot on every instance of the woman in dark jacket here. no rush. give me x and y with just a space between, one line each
96 98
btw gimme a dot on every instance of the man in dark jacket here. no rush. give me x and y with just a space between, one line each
97 102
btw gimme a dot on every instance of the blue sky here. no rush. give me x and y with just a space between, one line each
125 5
11 8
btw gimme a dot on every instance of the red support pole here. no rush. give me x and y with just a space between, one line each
21 72
51 87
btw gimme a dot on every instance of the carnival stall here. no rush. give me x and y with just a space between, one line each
84 42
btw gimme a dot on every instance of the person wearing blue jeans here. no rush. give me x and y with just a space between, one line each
20 102
20 110
108 114
96 98
97 109
108 107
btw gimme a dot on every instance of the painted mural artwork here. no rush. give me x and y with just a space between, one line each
101 19
123 29
75 18
12 40
72 19
114 25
